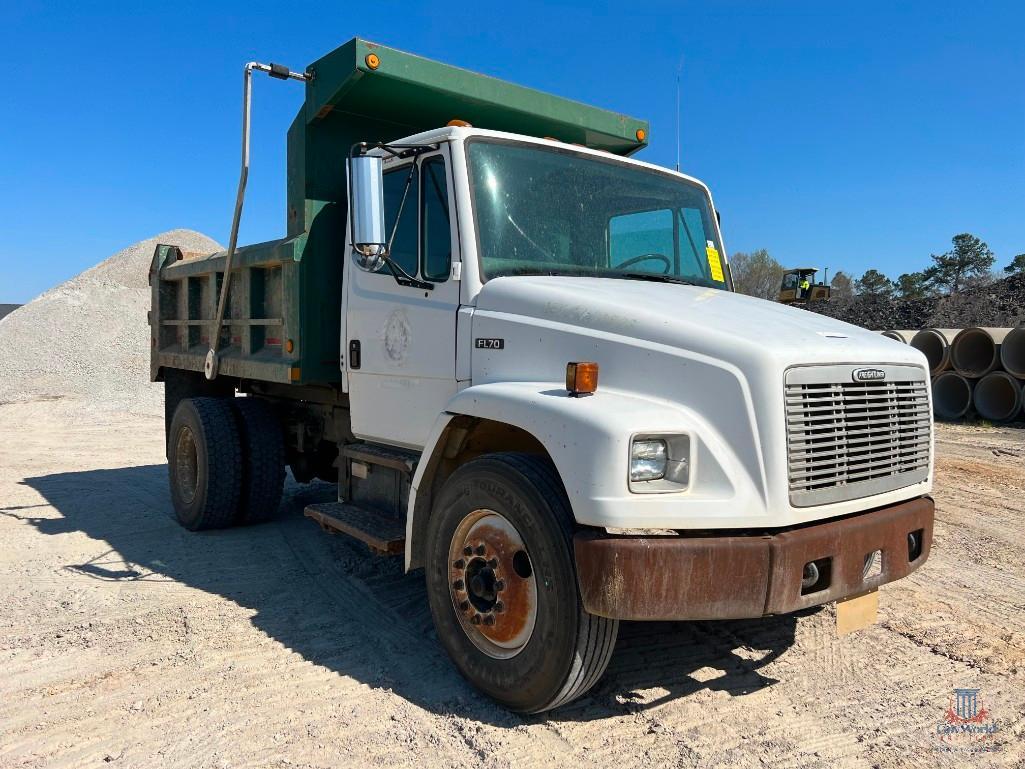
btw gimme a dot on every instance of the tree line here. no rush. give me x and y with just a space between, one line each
968 263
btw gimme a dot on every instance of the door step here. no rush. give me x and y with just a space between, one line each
384 534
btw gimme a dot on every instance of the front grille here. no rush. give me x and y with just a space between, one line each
848 439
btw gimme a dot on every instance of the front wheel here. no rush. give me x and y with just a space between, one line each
502 585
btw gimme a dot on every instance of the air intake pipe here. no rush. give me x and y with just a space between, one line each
951 396
1012 352
998 397
935 344
976 351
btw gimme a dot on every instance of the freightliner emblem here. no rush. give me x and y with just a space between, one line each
869 375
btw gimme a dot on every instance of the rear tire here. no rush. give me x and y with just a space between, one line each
204 463
535 653
263 461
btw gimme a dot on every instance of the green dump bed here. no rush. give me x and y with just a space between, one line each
282 319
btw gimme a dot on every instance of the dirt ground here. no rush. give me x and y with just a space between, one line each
126 641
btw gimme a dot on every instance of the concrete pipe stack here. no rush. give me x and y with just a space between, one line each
974 370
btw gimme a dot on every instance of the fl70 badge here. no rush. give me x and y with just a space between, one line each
482 343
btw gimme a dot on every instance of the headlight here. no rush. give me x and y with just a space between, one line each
648 460
659 463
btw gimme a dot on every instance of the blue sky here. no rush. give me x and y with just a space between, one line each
849 137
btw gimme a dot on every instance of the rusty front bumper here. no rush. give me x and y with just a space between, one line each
732 577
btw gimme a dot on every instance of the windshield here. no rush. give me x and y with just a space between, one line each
546 211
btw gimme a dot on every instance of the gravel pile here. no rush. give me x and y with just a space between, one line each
87 339
999 305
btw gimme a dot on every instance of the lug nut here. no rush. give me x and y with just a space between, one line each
493 563
481 549
499 607
460 564
499 584
475 619
458 584
489 620
464 605
467 550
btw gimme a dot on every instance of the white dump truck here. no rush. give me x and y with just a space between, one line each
518 352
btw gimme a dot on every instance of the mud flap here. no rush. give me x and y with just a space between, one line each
857 612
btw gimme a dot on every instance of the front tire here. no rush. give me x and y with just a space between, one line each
204 461
502 585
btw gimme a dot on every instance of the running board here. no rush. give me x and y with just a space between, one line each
385 535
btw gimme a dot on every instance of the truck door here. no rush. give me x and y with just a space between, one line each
404 337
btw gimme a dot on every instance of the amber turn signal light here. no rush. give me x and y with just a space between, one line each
641 134
373 61
581 378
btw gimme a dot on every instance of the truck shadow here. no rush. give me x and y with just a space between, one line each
328 599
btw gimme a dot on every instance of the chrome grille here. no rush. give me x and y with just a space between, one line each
848 439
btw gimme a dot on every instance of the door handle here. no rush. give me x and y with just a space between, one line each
354 356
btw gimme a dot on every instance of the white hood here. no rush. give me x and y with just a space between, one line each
711 322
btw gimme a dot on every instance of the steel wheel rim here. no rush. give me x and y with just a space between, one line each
187 464
492 584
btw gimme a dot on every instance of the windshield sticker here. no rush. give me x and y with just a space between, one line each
714 263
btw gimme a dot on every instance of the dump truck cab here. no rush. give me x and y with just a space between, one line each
517 352
479 206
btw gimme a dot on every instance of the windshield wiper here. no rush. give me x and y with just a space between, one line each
653 277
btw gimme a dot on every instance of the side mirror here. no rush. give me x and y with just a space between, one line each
366 211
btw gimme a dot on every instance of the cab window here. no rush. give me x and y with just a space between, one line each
435 224
404 247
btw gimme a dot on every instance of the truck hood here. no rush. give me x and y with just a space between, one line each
673 358
721 324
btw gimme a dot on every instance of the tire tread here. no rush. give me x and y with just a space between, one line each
221 441
262 461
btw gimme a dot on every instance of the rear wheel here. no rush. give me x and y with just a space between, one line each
502 585
263 461
204 458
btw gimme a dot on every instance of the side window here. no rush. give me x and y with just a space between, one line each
637 235
435 222
404 250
